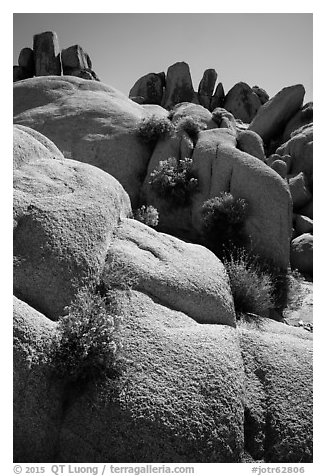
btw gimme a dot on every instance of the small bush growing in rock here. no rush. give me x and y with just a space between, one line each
191 126
223 220
87 343
147 215
87 340
152 128
252 289
175 181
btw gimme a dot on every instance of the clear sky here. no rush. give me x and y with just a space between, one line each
271 50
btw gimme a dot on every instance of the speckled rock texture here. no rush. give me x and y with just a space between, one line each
89 122
189 393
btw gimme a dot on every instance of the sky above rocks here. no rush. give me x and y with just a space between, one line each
271 50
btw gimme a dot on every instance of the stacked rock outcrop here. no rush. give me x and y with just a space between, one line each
46 59
93 123
176 87
293 160
196 387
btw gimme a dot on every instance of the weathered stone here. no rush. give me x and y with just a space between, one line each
19 73
224 119
26 61
80 73
242 102
275 113
280 167
29 145
252 143
261 93
74 58
89 122
95 76
307 210
303 117
179 86
173 365
173 220
277 360
285 158
301 257
217 98
272 159
270 219
241 126
300 193
206 87
300 148
37 400
47 54
303 225
288 160
150 87
138 99
64 216
195 111
182 276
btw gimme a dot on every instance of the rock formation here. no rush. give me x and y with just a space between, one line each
45 59
47 54
87 140
218 97
206 87
89 122
179 86
275 113
261 93
196 383
293 160
148 89
220 166
242 102
182 379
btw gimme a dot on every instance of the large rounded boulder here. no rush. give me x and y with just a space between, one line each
64 215
69 222
188 393
222 167
89 122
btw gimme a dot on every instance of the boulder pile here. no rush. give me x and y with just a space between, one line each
176 86
94 123
197 384
45 59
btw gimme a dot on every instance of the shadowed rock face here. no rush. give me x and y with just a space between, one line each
261 93
149 89
245 389
242 102
26 61
302 118
45 59
75 57
179 86
218 97
206 87
302 253
47 54
275 113
19 73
